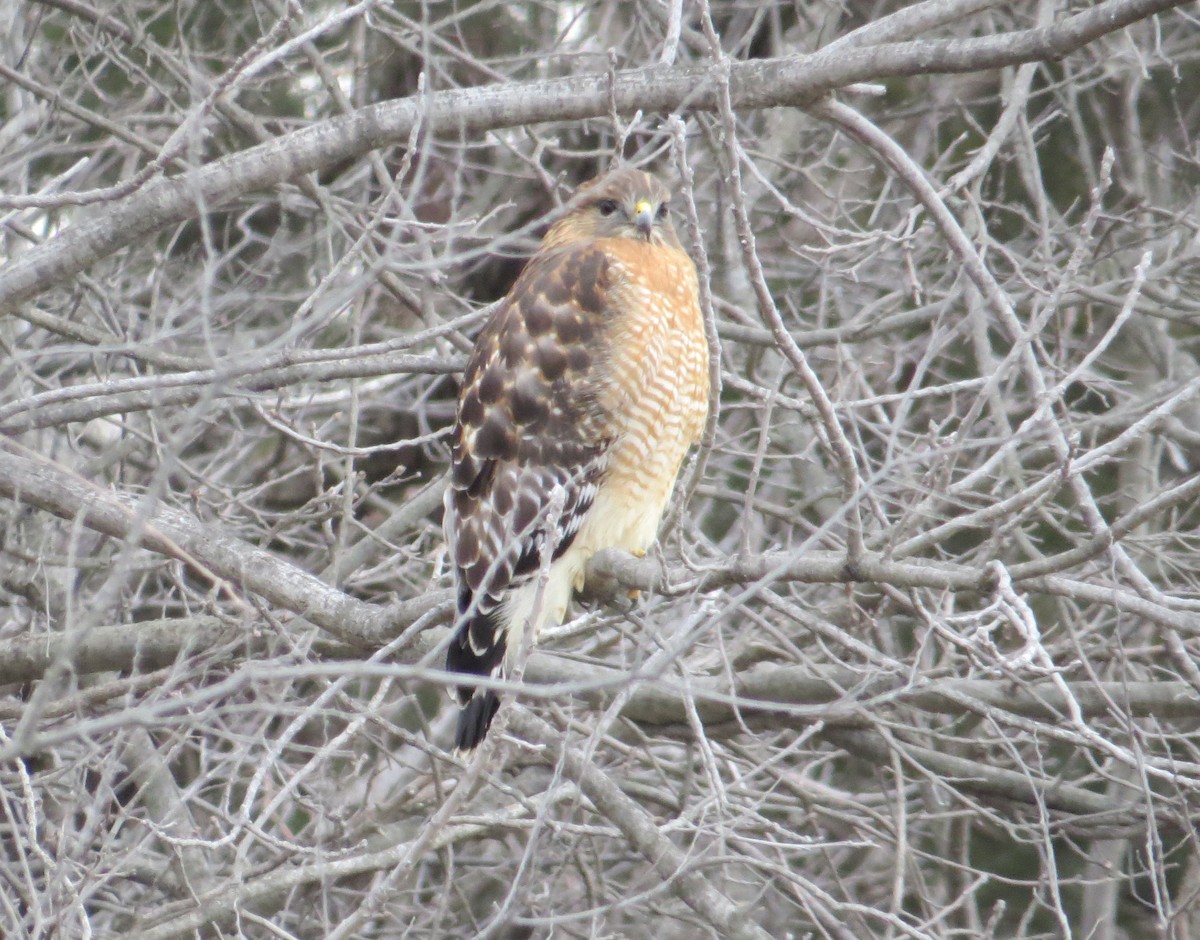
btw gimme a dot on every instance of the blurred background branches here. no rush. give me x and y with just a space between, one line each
917 659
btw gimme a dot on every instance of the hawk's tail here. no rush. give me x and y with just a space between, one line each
478 705
475 719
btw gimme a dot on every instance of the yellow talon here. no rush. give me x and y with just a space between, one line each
635 593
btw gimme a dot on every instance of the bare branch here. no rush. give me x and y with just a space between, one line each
797 81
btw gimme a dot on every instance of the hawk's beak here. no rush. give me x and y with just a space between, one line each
643 217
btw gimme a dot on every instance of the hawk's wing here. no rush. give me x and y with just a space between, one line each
530 436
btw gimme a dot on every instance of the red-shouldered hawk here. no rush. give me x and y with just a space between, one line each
584 392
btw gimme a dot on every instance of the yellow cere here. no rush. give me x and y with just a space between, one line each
642 206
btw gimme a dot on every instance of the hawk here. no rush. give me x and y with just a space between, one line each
585 389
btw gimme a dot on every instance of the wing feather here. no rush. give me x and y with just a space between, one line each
529 426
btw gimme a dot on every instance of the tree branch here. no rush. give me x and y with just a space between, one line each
209 552
213 553
640 829
122 396
796 81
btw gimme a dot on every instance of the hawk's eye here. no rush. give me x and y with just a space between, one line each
663 210
607 206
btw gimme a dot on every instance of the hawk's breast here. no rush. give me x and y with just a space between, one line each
656 391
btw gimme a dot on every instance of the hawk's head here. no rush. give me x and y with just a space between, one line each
625 203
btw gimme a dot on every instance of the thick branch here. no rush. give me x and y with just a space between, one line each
611 568
213 553
148 644
795 81
122 396
839 700
957 773
208 551
776 690
657 700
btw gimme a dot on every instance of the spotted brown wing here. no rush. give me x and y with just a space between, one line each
530 436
